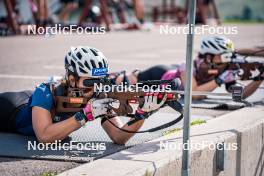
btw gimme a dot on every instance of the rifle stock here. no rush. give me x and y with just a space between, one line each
75 104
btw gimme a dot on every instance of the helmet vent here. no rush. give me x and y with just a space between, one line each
81 64
65 60
73 64
79 55
224 48
84 50
213 45
104 63
218 39
94 52
204 43
86 65
100 64
93 63
81 70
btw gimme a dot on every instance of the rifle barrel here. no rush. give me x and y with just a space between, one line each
248 59
155 82
203 93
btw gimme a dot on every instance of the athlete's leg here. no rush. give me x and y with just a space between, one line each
10 103
152 73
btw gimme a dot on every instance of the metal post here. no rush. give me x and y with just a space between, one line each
188 87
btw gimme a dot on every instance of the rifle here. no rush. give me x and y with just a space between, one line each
77 100
125 99
75 97
248 62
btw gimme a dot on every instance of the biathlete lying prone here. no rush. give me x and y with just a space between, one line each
35 114
212 50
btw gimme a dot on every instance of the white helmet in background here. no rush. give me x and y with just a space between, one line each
216 45
86 61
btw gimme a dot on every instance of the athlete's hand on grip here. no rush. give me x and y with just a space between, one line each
97 107
227 77
151 102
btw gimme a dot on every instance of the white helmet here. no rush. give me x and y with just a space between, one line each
216 45
86 61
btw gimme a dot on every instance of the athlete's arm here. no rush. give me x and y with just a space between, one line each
255 51
251 88
206 87
149 105
118 136
46 131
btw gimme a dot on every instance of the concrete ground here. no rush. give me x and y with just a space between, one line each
26 61
16 166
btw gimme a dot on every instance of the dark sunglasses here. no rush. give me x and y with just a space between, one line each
91 82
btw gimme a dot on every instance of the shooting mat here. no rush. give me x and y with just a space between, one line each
13 145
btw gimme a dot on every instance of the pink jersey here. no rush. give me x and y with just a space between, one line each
174 73
177 72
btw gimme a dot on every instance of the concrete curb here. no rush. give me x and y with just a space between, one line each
244 127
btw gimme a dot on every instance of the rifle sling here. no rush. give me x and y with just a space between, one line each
174 105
